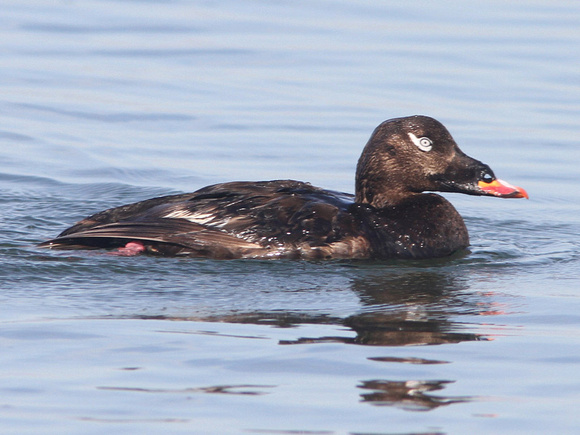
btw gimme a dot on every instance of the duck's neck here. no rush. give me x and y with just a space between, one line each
382 199
379 189
376 184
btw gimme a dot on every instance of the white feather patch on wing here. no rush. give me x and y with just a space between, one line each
197 218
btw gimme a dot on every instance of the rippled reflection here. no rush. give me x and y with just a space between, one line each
397 309
409 395
244 390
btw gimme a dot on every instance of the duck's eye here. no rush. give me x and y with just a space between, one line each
486 177
423 143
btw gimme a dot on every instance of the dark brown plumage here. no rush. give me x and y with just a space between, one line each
389 217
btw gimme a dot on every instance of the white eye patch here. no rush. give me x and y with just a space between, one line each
423 143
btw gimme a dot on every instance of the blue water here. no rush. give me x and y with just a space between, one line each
110 102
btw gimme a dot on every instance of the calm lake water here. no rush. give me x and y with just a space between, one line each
104 103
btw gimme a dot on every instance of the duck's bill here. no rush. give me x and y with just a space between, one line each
502 189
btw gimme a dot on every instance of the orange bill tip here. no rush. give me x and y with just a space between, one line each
502 189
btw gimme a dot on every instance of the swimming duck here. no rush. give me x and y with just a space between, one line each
388 217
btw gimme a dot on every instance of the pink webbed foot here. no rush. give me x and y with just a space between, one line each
130 249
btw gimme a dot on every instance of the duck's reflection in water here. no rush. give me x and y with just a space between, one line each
399 307
414 308
408 395
408 308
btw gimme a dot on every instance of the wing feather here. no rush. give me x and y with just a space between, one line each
231 220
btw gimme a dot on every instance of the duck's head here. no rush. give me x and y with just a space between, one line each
406 156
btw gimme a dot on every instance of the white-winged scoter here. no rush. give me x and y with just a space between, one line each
388 217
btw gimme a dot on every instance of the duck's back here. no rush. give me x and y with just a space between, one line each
282 218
